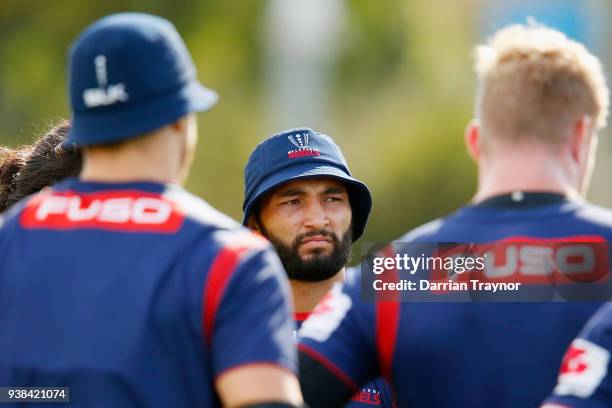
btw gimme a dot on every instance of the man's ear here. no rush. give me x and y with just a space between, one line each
472 139
580 138
253 225
180 124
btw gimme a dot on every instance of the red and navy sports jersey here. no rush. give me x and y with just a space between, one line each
135 294
461 354
585 378
375 393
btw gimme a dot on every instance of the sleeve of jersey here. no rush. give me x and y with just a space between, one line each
252 323
585 378
339 335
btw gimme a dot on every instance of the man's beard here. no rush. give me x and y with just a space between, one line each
319 266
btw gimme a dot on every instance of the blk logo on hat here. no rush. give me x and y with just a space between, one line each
104 94
130 74
300 140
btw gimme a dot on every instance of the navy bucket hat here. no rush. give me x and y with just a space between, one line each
297 154
129 74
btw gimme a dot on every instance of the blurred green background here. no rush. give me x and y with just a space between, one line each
390 80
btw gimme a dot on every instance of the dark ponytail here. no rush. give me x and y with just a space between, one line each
11 163
29 169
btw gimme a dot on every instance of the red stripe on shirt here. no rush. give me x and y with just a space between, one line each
334 369
301 316
387 323
221 271
567 239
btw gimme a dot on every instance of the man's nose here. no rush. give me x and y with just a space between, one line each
316 217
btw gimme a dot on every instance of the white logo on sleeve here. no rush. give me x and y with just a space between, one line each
327 316
583 368
104 94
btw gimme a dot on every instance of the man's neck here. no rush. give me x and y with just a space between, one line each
306 295
522 172
147 159
109 169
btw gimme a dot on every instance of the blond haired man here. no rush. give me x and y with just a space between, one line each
541 100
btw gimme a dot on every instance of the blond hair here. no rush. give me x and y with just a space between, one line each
534 82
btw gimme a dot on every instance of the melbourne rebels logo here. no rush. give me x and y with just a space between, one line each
104 94
300 140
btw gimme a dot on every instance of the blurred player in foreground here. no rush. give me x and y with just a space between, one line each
300 195
30 168
120 284
541 100
585 380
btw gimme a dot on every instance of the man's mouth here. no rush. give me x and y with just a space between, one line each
316 241
316 238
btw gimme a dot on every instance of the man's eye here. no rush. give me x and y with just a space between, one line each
291 202
332 199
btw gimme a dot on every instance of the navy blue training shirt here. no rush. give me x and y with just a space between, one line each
375 393
134 295
585 377
475 355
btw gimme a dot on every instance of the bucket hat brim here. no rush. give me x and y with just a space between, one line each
119 122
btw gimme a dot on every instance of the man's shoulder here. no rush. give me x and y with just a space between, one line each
188 219
216 230
595 214
440 229
198 211
591 220
11 216
577 216
424 232
599 327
